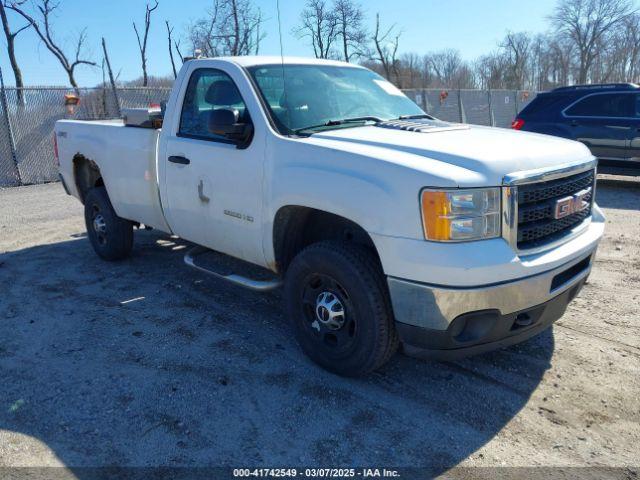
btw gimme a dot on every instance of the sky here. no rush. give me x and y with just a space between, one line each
474 27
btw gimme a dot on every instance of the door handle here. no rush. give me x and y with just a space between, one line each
574 123
180 160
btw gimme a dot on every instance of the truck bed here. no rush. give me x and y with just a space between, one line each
126 157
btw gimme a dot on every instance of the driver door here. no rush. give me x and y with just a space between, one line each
213 188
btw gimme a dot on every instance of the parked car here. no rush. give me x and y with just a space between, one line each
385 225
606 118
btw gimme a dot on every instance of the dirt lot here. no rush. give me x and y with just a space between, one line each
148 363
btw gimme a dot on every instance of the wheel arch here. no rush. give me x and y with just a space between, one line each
86 174
296 227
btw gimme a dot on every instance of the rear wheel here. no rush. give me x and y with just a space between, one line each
339 308
110 235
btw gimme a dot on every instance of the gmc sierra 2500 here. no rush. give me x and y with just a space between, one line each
386 226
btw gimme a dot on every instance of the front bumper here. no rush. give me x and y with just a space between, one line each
447 322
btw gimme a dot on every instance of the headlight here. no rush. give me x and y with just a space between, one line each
461 215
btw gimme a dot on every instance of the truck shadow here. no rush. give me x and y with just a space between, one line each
147 363
618 192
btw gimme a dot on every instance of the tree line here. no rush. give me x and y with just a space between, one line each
589 41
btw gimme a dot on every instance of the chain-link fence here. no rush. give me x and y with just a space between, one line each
496 108
28 115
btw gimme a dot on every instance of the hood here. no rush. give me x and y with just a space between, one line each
482 155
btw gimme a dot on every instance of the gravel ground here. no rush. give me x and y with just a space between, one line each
148 363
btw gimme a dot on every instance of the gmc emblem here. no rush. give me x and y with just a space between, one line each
573 204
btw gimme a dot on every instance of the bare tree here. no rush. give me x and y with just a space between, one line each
410 70
587 23
490 70
11 51
562 55
539 64
142 41
203 33
43 28
259 35
350 29
112 80
629 40
240 27
319 23
176 45
517 48
447 65
619 54
231 27
170 38
427 71
386 49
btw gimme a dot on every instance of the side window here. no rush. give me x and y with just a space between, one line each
208 90
604 105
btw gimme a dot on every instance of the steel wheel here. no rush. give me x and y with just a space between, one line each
329 317
110 235
99 224
339 307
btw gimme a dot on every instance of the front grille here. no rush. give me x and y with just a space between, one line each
537 192
537 206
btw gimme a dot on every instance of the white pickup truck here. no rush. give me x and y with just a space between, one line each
385 225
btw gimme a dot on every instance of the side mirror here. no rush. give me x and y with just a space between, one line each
225 122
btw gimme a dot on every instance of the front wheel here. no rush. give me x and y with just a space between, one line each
111 236
339 308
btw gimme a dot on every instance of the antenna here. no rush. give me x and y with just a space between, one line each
284 80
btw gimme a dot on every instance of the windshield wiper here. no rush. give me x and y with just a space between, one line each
354 119
344 121
415 117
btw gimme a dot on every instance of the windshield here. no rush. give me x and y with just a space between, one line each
317 95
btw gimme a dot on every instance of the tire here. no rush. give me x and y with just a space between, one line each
338 306
111 236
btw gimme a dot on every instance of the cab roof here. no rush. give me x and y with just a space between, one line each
263 60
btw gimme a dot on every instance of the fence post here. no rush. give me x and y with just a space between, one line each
492 118
463 116
117 99
105 108
7 122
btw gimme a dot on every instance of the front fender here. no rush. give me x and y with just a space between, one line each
337 192
374 202
354 195
377 189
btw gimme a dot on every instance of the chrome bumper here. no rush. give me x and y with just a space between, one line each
435 307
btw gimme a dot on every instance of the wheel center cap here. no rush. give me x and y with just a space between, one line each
329 311
99 225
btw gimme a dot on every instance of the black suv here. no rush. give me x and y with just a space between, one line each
606 118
